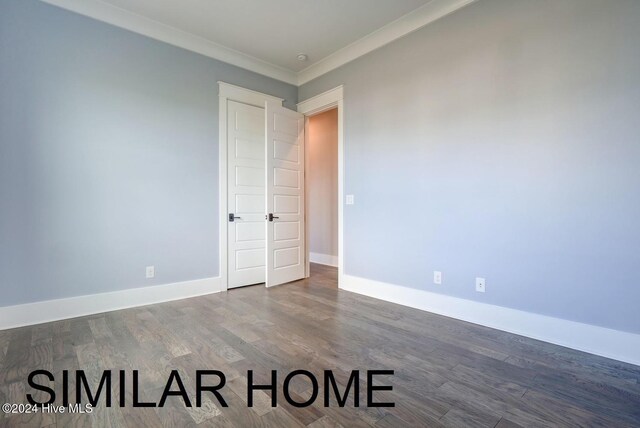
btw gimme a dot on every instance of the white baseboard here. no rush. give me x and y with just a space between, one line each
618 345
54 310
323 259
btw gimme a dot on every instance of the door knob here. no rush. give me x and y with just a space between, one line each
233 217
271 217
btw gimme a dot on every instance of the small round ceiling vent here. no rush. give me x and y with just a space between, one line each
302 57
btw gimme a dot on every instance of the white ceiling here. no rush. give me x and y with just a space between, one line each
266 36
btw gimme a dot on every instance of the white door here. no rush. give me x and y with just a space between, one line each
285 195
246 194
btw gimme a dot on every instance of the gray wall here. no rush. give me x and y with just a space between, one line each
321 183
502 141
108 155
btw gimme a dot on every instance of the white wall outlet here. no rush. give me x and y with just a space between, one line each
437 277
480 282
350 200
151 271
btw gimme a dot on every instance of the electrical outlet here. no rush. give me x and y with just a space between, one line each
350 200
151 271
437 277
480 283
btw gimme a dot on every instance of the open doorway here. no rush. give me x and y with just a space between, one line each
328 129
321 181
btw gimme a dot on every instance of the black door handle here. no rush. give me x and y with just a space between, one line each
233 217
271 217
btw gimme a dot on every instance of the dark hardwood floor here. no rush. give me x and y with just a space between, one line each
447 372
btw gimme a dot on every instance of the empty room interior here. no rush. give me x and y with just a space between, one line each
337 213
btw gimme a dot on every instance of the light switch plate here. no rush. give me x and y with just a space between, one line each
437 277
480 283
151 271
350 200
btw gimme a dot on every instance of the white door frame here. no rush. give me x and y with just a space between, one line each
312 106
228 92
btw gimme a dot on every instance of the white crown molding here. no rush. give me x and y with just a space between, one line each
113 15
122 18
618 345
408 23
72 307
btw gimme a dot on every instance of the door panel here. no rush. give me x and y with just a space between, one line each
248 259
286 178
286 257
284 195
285 151
246 194
286 230
249 176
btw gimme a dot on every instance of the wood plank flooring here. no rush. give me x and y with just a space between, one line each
447 372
